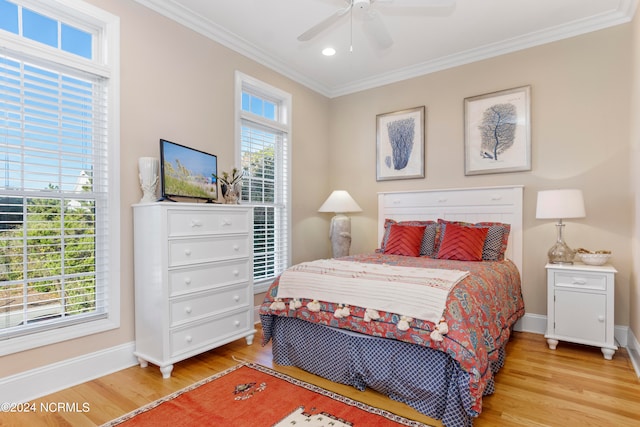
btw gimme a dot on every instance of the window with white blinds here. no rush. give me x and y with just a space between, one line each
55 209
264 158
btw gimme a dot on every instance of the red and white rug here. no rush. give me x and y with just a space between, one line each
254 396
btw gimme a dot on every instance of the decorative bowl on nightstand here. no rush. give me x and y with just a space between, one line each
594 259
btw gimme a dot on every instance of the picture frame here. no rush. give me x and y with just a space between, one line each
497 133
400 144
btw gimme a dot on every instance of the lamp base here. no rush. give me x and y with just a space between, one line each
560 253
340 235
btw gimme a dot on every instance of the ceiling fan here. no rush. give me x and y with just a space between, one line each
373 23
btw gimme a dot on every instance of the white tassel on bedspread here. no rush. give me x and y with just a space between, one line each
419 293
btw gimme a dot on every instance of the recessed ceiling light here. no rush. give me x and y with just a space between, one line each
328 51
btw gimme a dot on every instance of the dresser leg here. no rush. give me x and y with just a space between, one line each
249 339
608 353
552 343
143 363
166 371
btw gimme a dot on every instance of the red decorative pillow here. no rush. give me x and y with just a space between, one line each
404 240
495 245
462 243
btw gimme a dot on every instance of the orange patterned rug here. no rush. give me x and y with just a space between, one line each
254 396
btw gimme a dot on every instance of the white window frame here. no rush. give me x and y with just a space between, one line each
283 124
106 62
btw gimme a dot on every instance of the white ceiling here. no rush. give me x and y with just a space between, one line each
426 39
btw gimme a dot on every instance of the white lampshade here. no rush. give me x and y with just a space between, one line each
560 204
340 202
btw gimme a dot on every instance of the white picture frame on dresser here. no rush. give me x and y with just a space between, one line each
193 279
580 306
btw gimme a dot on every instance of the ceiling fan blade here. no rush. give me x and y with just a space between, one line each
377 30
323 25
416 3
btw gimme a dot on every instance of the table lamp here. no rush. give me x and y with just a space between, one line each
340 202
560 204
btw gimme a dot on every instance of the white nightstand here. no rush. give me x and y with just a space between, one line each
580 306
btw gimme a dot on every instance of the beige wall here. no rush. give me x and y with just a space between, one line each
178 85
580 138
634 300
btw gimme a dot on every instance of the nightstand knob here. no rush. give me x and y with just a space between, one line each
236 298
578 281
188 338
187 310
187 252
601 318
236 323
195 223
236 273
187 280
236 248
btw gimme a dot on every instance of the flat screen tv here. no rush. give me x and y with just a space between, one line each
187 172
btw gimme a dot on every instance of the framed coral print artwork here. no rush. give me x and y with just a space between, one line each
497 133
400 144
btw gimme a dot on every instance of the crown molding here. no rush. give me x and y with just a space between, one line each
623 14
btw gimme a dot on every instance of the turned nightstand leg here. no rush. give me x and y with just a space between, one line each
552 343
608 353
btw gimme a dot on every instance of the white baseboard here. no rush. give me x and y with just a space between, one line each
39 382
633 348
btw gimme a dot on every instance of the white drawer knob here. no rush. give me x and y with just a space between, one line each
187 280
187 310
236 298
187 252
188 338
236 273
226 222
601 318
236 323
236 248
195 223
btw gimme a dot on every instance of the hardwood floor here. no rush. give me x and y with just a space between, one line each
571 386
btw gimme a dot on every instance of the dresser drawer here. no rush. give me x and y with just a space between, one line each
200 306
193 337
207 221
206 249
580 280
208 276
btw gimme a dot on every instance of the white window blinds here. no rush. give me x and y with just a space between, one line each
53 195
265 186
263 146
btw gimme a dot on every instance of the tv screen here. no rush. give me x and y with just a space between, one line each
187 172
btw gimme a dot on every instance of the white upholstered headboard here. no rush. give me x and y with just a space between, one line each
497 204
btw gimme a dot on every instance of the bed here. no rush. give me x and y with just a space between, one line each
435 348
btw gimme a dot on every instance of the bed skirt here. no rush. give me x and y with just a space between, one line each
425 379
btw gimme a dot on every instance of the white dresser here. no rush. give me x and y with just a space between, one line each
193 279
580 306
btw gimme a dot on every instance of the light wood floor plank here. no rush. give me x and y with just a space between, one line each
571 386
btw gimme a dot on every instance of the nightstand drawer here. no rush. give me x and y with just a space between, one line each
580 280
